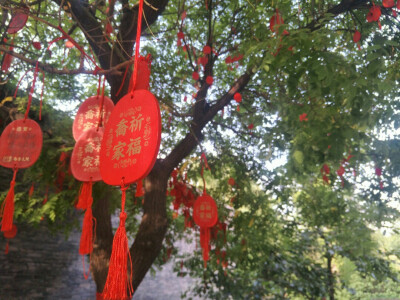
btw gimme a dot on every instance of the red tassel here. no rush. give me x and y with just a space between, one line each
205 243
31 190
86 244
99 296
8 211
6 250
118 285
85 195
139 189
7 59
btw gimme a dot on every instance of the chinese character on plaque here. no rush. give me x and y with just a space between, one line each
88 114
122 154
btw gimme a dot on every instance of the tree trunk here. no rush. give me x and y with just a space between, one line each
331 283
148 241
100 257
152 229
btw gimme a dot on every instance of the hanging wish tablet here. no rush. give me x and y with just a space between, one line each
18 20
88 114
85 159
20 144
131 139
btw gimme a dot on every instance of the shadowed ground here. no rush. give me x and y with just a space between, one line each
43 266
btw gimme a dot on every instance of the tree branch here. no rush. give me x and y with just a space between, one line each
187 145
50 69
342 7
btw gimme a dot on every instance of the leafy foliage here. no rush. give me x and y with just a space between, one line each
312 149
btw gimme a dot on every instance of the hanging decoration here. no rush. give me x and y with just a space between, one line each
357 38
85 159
7 59
85 166
275 22
238 98
20 147
143 76
10 234
88 116
18 20
374 14
131 139
183 196
139 189
205 215
128 152
325 171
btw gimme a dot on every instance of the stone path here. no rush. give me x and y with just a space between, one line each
43 266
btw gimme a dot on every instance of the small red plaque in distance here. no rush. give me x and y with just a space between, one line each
18 21
131 139
20 144
85 159
205 212
87 116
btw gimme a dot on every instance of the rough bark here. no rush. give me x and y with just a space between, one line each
103 243
152 229
331 279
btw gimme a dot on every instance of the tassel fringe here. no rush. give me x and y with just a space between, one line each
85 195
118 286
8 211
205 243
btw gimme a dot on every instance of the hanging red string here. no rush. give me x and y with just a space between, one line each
123 81
68 37
41 98
203 159
138 33
19 82
36 70
100 122
32 89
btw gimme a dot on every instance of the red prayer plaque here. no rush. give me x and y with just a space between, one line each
18 21
88 113
85 159
205 211
20 144
131 139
